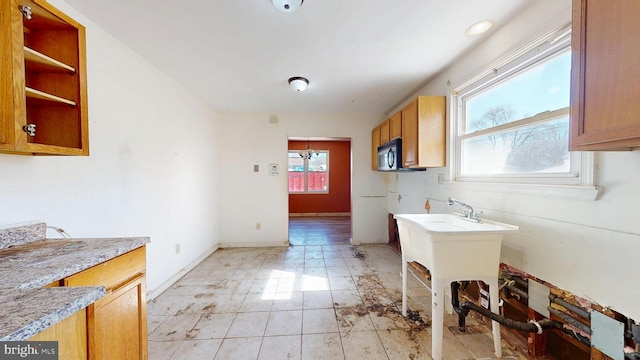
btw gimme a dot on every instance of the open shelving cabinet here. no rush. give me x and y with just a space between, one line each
43 85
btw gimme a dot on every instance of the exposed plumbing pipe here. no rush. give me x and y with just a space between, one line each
582 327
516 278
462 309
532 326
455 302
573 308
515 290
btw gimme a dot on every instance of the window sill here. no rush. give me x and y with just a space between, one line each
574 192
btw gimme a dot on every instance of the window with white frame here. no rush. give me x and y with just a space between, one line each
309 174
511 124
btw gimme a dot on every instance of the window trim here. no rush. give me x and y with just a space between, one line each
306 177
577 184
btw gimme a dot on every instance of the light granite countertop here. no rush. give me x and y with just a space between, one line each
42 262
26 312
31 262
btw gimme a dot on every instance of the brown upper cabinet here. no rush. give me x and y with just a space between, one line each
384 132
391 128
43 80
424 132
605 111
395 126
375 142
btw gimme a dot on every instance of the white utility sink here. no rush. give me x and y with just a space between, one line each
453 249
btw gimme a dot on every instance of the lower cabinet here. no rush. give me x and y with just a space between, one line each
71 335
117 323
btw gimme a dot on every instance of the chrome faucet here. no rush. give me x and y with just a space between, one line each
467 210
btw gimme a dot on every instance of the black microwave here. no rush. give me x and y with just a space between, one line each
390 156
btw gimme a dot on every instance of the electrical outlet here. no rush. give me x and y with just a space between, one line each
177 249
440 178
257 226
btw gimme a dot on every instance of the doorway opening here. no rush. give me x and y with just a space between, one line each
319 180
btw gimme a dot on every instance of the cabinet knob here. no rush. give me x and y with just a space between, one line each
26 11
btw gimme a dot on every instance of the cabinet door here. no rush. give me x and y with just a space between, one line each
410 134
12 105
395 126
432 131
71 335
117 324
384 132
605 111
375 142
42 80
6 88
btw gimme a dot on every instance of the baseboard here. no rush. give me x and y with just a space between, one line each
152 294
255 244
320 214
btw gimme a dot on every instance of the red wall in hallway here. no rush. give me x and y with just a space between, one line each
339 197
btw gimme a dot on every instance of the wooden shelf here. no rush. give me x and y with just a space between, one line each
46 98
37 61
43 71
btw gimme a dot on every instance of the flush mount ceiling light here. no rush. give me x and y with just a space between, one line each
287 6
298 83
479 27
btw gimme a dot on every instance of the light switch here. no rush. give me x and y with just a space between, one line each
256 168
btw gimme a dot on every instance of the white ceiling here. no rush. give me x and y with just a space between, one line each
359 55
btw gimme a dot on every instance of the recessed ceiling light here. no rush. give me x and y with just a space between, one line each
479 27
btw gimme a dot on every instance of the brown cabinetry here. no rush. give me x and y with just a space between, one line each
422 126
375 142
384 132
117 323
391 128
395 126
424 132
71 335
605 111
43 80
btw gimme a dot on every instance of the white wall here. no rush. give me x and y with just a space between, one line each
163 164
589 248
151 171
247 198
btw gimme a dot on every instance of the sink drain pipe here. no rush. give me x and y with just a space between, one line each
462 309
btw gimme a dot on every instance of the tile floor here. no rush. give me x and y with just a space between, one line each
303 302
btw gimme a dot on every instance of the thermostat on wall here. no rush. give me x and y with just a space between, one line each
274 169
